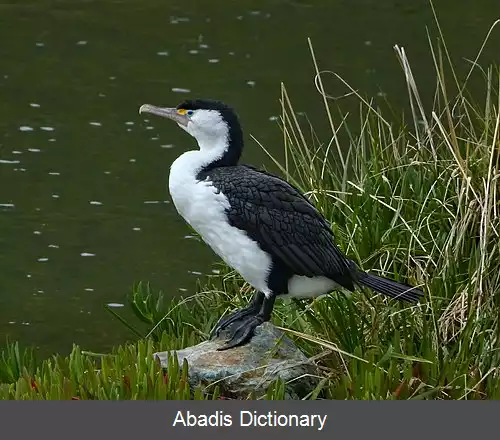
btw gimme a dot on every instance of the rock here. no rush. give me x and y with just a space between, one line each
251 367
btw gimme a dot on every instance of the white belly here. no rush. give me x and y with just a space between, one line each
205 210
305 287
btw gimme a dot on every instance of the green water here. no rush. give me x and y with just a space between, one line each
84 209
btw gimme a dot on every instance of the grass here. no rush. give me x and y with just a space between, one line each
417 201
128 373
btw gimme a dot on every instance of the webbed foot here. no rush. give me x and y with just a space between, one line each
243 327
242 333
239 315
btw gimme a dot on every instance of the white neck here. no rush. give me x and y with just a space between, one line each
192 162
212 147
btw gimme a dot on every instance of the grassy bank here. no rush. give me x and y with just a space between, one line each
418 201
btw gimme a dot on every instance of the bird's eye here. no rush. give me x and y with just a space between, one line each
190 112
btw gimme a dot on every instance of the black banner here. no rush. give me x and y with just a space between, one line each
294 419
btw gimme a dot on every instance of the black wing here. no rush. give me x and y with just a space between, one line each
282 221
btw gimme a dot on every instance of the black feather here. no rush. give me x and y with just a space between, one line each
260 201
390 287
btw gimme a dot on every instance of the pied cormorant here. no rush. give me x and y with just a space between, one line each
258 223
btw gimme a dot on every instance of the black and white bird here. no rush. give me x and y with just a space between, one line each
258 223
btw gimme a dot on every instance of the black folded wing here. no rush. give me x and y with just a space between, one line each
284 223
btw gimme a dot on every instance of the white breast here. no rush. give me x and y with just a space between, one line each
205 210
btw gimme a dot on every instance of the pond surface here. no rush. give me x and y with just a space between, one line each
84 208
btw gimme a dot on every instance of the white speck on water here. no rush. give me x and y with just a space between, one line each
167 146
129 129
251 83
190 237
37 233
132 160
95 124
107 172
43 259
382 94
155 138
34 104
101 95
151 202
25 128
204 46
150 127
54 173
254 12
12 322
54 246
81 43
112 78
52 140
216 271
17 152
55 196
87 254
183 19
239 17
88 289
115 305
213 60
136 229
34 150
231 53
194 52
7 205
182 289
273 118
368 43
28 275
9 161
26 323
180 90
247 55
129 123
47 128
39 44
40 291
194 272
95 202
162 54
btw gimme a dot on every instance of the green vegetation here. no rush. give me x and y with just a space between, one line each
419 202
128 373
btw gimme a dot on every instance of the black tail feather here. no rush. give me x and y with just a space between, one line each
389 287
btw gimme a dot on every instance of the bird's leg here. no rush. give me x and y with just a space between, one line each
251 309
242 333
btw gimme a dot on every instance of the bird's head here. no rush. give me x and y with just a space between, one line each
212 123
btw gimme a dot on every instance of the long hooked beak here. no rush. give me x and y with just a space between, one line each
165 112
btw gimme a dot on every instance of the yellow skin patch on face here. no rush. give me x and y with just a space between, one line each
182 111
